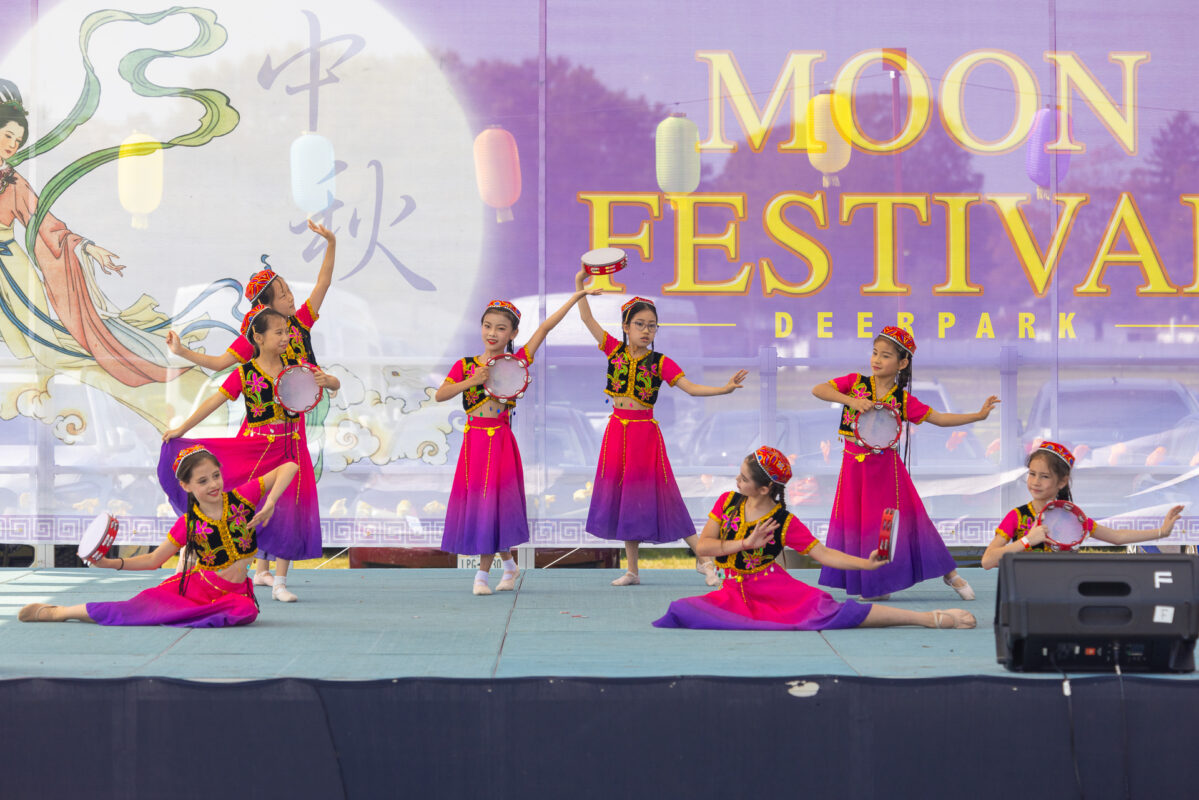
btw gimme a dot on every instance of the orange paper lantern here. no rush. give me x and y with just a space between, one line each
497 170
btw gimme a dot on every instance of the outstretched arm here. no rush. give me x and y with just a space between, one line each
152 560
552 320
207 407
275 481
324 278
212 363
943 420
1112 536
585 311
700 390
828 557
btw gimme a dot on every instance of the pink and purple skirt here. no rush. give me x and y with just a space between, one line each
770 600
635 497
208 601
868 484
486 512
294 532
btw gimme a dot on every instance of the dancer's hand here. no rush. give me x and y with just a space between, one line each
480 377
860 404
322 231
735 382
874 561
1037 535
1168 525
988 404
105 258
580 279
173 433
263 516
174 343
323 380
761 536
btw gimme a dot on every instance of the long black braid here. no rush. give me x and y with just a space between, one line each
903 383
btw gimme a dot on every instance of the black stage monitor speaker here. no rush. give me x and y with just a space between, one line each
1091 611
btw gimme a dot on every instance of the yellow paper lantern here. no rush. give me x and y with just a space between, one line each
828 150
676 147
139 176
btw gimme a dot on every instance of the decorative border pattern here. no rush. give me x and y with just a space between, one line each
417 532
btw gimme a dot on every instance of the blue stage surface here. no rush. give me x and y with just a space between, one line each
399 623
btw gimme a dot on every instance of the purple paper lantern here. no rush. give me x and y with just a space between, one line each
1038 161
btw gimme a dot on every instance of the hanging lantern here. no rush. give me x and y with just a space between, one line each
497 170
1038 161
139 176
676 146
823 130
313 168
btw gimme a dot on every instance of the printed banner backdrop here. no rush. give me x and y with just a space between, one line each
1018 184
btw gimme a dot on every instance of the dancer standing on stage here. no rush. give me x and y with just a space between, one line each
486 511
873 481
266 287
217 535
1048 479
270 435
747 531
635 498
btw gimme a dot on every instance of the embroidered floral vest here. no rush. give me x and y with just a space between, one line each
864 387
638 378
1026 518
476 397
259 393
733 528
299 342
219 543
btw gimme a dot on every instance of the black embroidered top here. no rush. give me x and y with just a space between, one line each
729 511
638 378
221 542
261 409
854 385
476 397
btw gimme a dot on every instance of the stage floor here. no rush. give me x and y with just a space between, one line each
401 623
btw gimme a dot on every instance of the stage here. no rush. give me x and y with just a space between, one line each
381 679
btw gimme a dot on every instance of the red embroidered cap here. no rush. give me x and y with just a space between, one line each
248 319
774 464
1058 450
504 304
625 308
188 451
260 280
901 338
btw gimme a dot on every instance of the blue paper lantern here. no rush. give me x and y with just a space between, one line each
313 186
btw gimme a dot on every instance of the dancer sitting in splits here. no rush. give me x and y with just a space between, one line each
266 287
486 511
269 436
217 535
1048 479
635 497
746 532
872 480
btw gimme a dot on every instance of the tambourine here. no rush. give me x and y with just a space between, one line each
296 389
878 428
508 377
604 261
98 538
887 533
1065 524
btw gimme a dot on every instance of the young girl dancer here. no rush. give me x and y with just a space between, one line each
295 532
871 482
217 533
1048 479
266 287
746 531
635 498
486 510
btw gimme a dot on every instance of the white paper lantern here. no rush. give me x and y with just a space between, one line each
676 145
313 186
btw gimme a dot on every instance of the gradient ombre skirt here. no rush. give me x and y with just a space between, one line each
208 601
868 484
486 512
770 600
635 496
294 531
